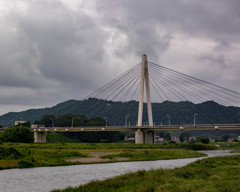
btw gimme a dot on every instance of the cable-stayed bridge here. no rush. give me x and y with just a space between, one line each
166 85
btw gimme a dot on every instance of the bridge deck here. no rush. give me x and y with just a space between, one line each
134 128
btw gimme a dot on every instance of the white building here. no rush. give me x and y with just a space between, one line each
19 122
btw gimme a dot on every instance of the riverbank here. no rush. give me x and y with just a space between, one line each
16 155
211 174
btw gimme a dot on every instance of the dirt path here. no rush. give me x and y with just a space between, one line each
96 157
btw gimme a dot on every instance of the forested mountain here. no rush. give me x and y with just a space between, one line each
116 113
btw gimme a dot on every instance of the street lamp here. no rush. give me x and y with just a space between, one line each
126 120
52 123
105 120
169 122
21 120
194 119
11 122
72 122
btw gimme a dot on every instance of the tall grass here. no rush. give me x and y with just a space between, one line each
147 155
192 146
24 157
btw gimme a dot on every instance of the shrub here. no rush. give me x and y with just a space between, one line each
9 153
19 134
195 146
25 164
204 140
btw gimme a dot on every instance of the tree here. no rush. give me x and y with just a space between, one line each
27 124
19 134
67 120
225 137
181 138
204 140
184 136
47 120
167 136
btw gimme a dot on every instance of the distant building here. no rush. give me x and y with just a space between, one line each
192 139
230 140
175 139
160 140
19 122
211 140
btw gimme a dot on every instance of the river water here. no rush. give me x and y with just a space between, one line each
45 179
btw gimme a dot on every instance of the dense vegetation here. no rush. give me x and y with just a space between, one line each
21 134
211 174
13 155
24 156
116 112
68 120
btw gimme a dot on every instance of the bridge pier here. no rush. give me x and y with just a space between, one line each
141 136
150 137
39 137
144 137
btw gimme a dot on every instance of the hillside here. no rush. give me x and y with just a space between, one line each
180 112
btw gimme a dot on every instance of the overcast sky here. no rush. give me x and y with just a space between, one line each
55 50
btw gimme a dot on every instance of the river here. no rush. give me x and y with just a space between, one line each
45 179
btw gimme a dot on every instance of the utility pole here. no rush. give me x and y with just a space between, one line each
126 120
72 121
52 123
105 120
194 119
169 121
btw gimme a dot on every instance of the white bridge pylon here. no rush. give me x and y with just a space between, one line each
144 136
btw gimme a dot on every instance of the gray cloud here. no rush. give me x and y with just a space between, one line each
48 51
155 26
219 60
214 19
55 50
60 43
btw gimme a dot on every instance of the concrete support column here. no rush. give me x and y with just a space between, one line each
139 137
40 137
150 137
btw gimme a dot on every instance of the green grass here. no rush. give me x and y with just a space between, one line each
28 157
20 155
218 174
147 155
233 146
194 146
58 138
235 151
